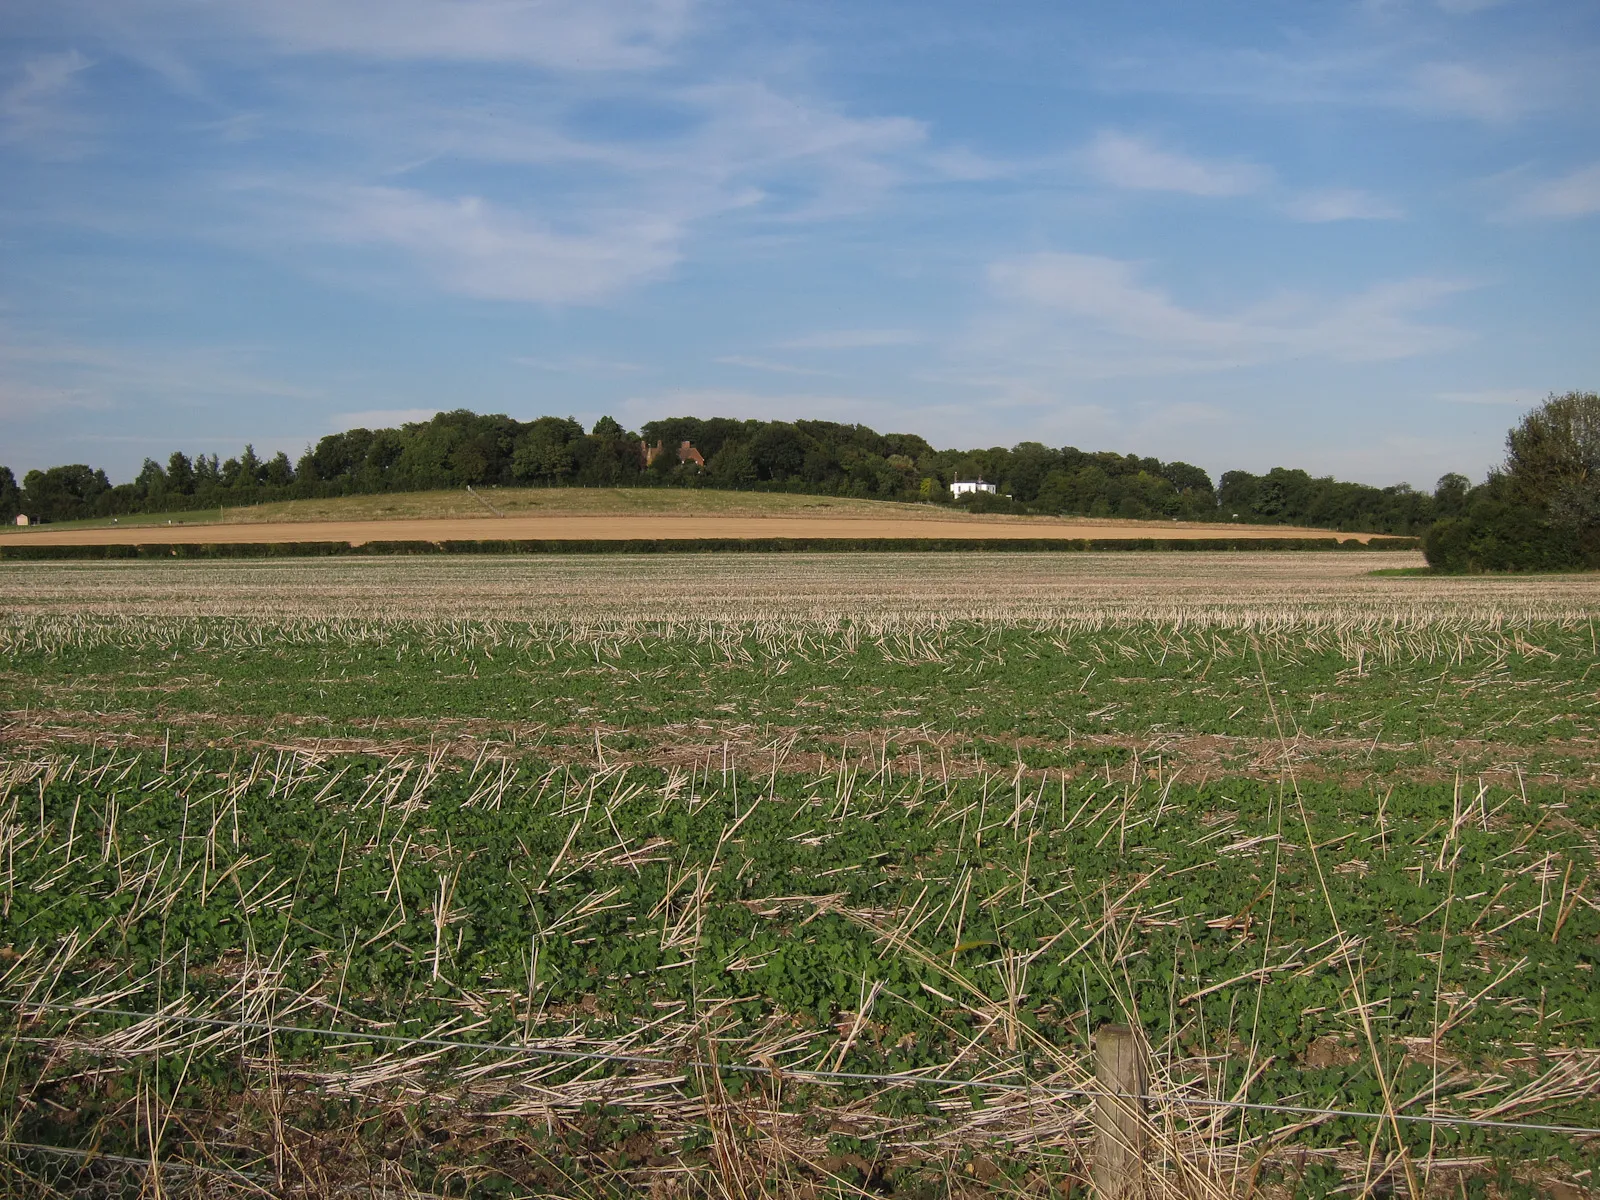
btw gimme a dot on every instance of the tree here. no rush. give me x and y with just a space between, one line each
611 455
10 496
1553 463
67 493
1499 531
248 472
180 474
473 460
151 482
733 465
545 451
279 472
1450 495
1029 466
779 451
1186 477
1542 511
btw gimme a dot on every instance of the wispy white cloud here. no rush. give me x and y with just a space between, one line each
471 247
1464 8
1096 317
21 398
1125 161
583 363
570 35
759 138
767 364
853 339
1461 89
41 373
1573 195
1520 397
36 108
1341 204
1397 56
606 213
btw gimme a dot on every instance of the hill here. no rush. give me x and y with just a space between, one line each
612 515
458 449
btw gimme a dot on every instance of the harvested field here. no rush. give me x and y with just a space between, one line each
805 875
651 528
618 503
1226 588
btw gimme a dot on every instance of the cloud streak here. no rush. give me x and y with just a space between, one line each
471 247
1576 194
565 35
602 214
1098 317
1340 204
1521 397
1124 161
853 339
767 364
36 108
1461 89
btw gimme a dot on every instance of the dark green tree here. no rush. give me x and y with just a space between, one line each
1542 511
1450 495
180 474
248 472
278 472
151 483
10 496
68 493
1553 462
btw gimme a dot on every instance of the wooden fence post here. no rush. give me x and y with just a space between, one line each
1120 1125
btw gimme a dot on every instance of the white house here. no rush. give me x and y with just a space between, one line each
22 518
969 487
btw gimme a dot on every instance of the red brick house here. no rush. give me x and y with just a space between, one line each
686 454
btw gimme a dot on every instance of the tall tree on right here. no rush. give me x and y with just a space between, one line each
1553 462
1541 511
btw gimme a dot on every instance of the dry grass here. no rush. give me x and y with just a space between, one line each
490 1109
1173 588
459 504
523 502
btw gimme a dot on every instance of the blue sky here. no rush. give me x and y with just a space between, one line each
1359 238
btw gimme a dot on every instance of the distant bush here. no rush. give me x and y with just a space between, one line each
990 502
1542 512
1499 534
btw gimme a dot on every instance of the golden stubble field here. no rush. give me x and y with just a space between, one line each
607 514
654 527
1229 588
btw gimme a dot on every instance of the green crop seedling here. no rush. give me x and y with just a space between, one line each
496 904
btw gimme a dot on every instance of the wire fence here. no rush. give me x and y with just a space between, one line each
126 1160
892 1079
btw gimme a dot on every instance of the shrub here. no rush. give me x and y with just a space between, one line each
1501 534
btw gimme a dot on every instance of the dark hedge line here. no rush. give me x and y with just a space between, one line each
208 550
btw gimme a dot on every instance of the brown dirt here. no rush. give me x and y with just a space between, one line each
671 528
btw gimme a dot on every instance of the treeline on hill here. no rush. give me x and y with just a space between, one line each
1541 510
460 448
